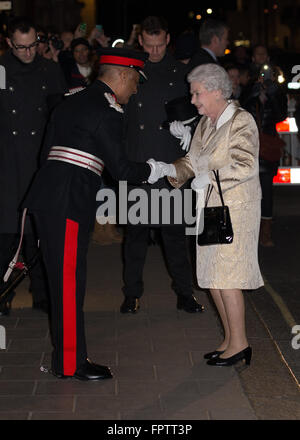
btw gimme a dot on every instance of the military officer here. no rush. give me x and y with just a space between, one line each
85 132
33 86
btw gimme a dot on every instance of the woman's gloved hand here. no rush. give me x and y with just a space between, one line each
182 132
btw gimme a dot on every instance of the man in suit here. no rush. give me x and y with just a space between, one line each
146 137
214 40
85 132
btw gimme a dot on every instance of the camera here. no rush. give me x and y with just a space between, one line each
42 38
56 42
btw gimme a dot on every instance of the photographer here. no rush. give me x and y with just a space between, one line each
268 105
49 45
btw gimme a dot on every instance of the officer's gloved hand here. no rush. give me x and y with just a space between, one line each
183 132
159 170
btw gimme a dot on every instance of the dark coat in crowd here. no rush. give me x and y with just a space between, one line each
145 114
31 91
71 71
200 57
266 114
272 111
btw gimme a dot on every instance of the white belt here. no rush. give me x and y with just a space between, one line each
77 157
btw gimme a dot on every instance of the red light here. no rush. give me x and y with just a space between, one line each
283 126
283 176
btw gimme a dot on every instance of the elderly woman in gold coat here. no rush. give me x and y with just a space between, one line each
226 139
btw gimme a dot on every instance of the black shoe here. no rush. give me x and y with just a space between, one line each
88 371
189 304
213 354
131 304
227 362
41 305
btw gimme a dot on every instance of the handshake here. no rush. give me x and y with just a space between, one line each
159 170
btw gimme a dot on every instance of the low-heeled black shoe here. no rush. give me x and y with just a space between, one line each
188 304
227 362
88 371
130 304
213 354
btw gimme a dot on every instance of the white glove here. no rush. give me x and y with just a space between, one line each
200 182
159 170
168 169
183 132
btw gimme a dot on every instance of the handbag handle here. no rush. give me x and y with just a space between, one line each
210 188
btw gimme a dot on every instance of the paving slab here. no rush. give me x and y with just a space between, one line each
156 357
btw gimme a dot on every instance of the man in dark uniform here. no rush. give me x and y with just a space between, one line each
85 132
145 137
33 86
214 40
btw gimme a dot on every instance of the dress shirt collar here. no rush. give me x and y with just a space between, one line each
211 53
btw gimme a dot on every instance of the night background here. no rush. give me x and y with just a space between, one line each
270 22
180 15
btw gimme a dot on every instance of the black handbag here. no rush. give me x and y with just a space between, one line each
217 223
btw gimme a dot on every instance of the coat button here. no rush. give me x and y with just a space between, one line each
142 126
15 132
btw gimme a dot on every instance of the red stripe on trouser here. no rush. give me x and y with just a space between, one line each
69 298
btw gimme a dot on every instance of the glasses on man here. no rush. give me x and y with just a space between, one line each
22 48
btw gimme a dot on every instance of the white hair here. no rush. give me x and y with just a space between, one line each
213 77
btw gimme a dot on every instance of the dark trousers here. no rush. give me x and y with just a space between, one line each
64 244
266 183
176 253
37 274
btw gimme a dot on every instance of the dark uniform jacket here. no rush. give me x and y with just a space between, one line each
24 110
145 113
85 121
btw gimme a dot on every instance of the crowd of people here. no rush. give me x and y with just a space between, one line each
57 145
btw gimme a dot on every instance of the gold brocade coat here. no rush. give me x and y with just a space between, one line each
232 149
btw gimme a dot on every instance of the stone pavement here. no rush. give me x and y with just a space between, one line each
156 357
